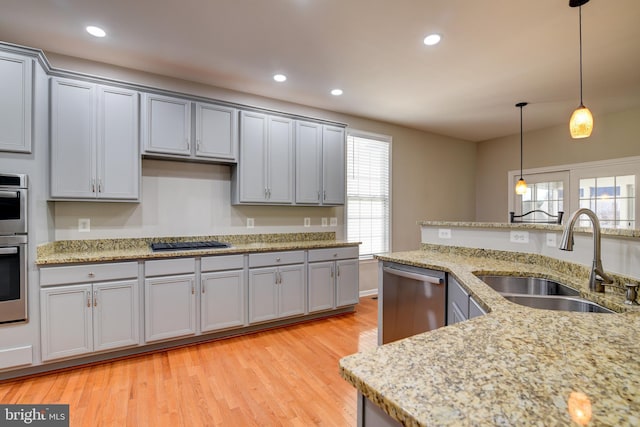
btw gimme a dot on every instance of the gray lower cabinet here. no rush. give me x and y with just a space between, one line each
170 299
277 285
94 141
223 297
333 278
16 99
460 306
371 415
82 318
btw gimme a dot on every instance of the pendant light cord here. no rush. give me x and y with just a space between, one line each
580 32
521 140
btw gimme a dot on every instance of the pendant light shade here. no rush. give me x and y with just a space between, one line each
521 186
581 122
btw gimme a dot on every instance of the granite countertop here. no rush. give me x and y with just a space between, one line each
513 366
106 250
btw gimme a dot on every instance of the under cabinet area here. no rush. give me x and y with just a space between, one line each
94 141
16 87
460 306
177 128
170 298
333 278
223 298
276 285
88 308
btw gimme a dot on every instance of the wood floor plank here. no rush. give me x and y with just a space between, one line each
281 377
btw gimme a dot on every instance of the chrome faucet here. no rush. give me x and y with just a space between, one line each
597 276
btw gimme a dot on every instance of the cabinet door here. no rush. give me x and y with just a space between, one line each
474 308
170 307
115 315
16 91
347 282
321 286
73 139
291 283
216 132
333 165
66 323
280 160
263 294
457 302
308 162
223 300
166 125
252 163
118 145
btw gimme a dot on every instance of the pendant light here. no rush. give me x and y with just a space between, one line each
521 186
581 122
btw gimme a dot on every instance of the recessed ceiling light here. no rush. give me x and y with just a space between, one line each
432 39
96 31
280 78
336 92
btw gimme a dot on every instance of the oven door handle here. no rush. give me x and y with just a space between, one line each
8 251
9 194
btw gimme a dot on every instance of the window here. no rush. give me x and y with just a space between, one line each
368 192
606 187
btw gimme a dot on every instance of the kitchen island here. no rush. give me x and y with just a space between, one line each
513 366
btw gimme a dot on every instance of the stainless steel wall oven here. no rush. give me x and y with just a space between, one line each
13 248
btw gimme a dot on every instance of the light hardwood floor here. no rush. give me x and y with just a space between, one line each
286 376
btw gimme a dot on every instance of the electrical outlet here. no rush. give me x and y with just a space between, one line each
333 221
250 223
84 225
444 233
551 240
325 222
519 236
307 222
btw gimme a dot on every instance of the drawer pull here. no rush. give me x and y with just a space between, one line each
95 298
277 259
88 299
91 274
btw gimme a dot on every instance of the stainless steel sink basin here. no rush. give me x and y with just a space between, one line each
562 303
527 286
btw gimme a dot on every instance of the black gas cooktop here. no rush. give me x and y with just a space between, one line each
185 246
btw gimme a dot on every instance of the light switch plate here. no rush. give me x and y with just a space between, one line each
444 233
551 240
84 225
519 236
307 222
325 222
250 223
333 221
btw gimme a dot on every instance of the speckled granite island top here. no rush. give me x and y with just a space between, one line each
105 250
514 366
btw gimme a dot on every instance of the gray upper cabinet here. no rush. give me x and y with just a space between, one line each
265 168
169 130
16 91
320 164
94 141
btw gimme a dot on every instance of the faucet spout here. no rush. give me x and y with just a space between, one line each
598 275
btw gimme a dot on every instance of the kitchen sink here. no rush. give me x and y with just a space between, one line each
555 302
527 286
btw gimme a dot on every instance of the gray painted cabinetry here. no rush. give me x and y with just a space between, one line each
95 310
461 306
320 164
223 293
94 141
333 278
178 128
16 99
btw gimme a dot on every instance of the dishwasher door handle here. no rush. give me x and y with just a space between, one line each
414 276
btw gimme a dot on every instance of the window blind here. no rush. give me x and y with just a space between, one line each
368 210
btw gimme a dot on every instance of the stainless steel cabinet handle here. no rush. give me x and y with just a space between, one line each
338 271
9 194
318 194
88 299
8 251
93 185
414 276
95 298
324 195
91 274
198 145
188 144
193 289
332 271
278 259
100 185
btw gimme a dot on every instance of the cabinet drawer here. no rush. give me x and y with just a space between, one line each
223 262
330 254
276 258
87 273
165 267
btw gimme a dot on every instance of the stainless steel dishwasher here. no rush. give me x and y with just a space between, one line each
411 300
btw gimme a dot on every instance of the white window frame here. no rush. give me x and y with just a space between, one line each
384 138
576 171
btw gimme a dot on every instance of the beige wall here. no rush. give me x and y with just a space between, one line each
432 179
614 136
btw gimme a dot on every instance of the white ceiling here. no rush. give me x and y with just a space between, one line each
494 53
